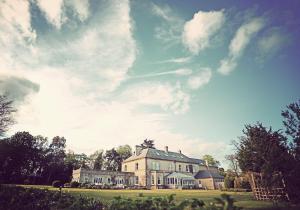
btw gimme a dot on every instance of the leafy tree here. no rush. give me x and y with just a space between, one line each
124 151
148 143
55 156
6 111
210 160
22 155
233 163
112 160
97 159
291 122
262 150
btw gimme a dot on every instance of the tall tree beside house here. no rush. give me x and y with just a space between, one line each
210 160
264 151
148 143
97 159
56 156
6 111
112 160
124 151
291 122
233 164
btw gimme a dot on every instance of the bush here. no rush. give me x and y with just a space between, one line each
12 198
66 185
57 183
229 182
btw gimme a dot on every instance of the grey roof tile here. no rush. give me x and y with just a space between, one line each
163 155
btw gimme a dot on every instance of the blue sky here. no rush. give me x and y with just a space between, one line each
188 74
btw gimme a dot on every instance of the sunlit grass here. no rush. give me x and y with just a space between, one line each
243 199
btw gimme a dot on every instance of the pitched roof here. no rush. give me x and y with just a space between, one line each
208 174
163 155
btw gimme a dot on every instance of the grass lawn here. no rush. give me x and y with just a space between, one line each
243 199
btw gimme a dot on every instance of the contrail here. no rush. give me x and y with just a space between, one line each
178 72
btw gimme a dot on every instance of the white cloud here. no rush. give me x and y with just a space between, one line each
80 7
271 42
165 95
77 77
199 30
53 11
238 44
170 29
200 79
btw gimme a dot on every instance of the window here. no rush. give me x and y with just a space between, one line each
171 167
179 167
175 180
155 165
108 180
158 180
136 180
187 168
125 168
136 166
168 181
152 179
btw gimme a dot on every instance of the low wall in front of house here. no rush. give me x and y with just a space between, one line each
101 177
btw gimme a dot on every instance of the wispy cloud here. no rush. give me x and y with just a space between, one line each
271 42
238 44
53 11
170 29
165 95
178 72
200 79
176 60
199 30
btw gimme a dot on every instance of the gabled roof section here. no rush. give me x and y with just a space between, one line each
164 155
208 174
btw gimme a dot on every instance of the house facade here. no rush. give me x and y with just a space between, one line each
155 169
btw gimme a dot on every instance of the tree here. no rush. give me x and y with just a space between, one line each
264 151
233 163
124 151
210 160
148 143
22 156
112 160
6 111
291 122
97 160
55 156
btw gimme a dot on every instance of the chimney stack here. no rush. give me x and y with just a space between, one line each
138 150
166 149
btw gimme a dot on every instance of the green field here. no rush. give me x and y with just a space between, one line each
243 199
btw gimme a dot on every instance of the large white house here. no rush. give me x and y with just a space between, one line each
154 168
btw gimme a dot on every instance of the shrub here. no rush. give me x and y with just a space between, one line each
66 185
229 182
26 181
74 184
57 183
12 198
